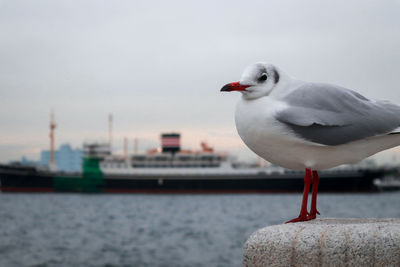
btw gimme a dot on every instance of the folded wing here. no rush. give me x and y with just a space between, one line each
333 115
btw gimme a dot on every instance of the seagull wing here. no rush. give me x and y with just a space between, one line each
333 115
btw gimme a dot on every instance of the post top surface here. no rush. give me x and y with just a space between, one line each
340 221
327 241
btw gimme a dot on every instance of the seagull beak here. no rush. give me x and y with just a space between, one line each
236 86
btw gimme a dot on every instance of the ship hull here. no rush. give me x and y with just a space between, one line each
266 183
21 180
15 179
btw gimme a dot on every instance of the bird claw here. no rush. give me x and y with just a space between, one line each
305 217
313 214
301 218
311 217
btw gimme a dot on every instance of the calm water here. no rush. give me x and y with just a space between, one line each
154 230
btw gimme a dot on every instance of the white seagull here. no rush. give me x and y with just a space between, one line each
312 126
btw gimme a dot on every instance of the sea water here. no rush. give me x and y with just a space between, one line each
155 230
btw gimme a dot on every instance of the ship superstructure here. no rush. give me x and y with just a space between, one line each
169 159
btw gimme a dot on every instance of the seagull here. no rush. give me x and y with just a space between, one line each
309 126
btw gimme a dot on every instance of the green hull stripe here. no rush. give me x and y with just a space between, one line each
91 180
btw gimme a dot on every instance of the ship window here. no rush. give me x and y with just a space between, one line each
139 158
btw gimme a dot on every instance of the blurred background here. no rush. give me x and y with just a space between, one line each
158 65
132 70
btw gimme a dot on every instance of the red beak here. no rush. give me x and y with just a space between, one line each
236 86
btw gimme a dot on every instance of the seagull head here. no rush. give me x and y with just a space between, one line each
257 80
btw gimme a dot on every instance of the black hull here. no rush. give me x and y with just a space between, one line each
345 182
16 179
30 180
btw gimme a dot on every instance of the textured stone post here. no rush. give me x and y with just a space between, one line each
326 242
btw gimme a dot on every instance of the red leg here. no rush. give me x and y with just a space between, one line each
315 181
303 212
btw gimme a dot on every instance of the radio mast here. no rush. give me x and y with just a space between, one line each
125 148
110 121
52 128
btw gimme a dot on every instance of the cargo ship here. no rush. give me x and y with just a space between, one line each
172 170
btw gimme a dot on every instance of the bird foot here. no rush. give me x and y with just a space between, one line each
312 217
305 217
301 218
313 214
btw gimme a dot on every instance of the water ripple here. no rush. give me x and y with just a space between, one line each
154 230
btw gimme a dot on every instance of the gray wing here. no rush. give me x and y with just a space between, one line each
333 115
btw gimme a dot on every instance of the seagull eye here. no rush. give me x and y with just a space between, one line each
263 77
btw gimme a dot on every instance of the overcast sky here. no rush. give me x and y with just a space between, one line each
158 66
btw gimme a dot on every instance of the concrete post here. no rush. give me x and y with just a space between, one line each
326 242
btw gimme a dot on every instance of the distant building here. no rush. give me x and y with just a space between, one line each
66 158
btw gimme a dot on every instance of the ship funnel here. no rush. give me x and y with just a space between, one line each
171 142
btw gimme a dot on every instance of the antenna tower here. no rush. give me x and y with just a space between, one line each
52 127
110 121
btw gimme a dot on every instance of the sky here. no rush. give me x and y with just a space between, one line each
158 66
